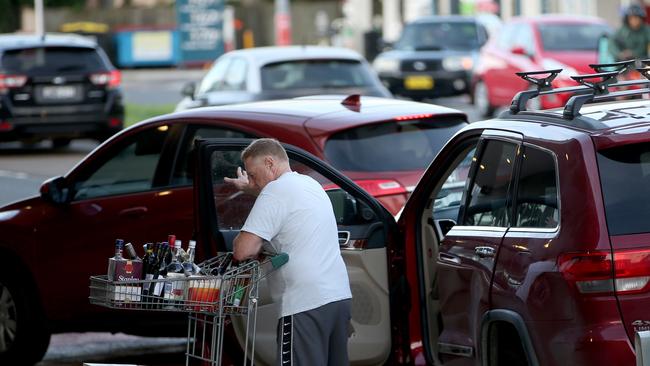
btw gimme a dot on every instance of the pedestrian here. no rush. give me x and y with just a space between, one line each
293 213
632 39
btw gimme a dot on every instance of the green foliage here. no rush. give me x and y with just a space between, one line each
9 16
139 112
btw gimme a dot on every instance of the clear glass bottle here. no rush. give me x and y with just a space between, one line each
119 245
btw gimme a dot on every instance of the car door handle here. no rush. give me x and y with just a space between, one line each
344 238
484 252
444 257
134 211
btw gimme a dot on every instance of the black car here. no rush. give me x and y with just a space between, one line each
58 87
434 57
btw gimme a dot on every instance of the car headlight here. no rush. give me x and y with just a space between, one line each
457 63
385 65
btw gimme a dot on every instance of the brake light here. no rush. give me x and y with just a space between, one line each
414 116
110 79
5 126
11 81
597 272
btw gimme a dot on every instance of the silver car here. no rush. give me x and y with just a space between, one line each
267 73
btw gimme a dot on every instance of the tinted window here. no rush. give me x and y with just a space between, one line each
537 191
316 74
131 169
450 195
489 189
390 146
51 60
625 180
214 79
183 170
568 37
438 36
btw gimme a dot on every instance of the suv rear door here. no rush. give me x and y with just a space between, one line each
468 252
365 231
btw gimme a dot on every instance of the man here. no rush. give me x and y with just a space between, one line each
295 215
631 41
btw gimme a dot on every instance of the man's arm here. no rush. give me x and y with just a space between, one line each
246 246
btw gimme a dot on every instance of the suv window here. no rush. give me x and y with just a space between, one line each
625 180
129 170
487 202
439 35
316 74
537 202
49 60
394 145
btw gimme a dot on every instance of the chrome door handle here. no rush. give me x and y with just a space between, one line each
344 238
484 252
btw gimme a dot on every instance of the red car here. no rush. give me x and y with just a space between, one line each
535 43
138 186
544 259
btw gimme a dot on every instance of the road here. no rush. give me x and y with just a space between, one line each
22 171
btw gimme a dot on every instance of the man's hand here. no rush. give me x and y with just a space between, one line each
242 182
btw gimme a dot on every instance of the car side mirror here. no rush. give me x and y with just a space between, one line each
518 50
344 205
54 190
443 226
189 89
385 45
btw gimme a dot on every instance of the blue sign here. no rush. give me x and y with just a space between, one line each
200 27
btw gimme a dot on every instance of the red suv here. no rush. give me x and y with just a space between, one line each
138 186
542 259
535 43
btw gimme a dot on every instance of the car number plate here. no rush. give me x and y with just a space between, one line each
418 82
59 92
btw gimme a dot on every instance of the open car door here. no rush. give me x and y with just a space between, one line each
366 229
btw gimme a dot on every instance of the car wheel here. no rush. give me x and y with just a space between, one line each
24 335
60 143
481 100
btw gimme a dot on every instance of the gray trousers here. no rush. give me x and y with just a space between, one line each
317 337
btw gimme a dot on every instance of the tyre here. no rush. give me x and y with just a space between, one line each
59 143
481 98
24 335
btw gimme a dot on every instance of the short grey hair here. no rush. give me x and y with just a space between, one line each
263 147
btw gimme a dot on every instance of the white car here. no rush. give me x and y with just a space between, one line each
267 73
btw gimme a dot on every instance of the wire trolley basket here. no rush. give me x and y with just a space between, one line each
207 299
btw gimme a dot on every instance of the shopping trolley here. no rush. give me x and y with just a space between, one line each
208 299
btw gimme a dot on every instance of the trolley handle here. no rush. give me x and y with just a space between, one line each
279 260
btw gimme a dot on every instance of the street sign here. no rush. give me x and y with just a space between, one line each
200 26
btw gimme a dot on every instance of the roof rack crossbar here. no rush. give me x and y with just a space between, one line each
599 87
575 103
619 67
645 71
541 84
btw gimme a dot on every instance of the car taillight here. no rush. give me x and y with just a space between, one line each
381 187
11 81
110 79
627 272
5 126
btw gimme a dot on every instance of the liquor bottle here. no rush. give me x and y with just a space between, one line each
119 244
189 267
174 289
159 272
182 255
150 264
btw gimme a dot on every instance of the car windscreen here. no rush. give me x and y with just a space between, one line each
51 60
315 74
571 36
439 36
390 146
625 180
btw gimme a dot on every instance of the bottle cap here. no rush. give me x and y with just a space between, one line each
177 244
119 243
192 244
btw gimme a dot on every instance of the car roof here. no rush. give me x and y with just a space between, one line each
444 19
266 55
594 119
559 18
13 41
322 112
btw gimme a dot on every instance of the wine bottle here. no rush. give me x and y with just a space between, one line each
174 289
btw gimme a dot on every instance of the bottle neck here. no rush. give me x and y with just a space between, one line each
118 252
190 254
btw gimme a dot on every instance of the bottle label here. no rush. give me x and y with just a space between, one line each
174 290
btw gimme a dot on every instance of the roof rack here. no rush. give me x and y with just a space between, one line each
587 91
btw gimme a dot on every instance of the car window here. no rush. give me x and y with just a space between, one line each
487 202
452 190
48 60
213 81
571 36
390 146
236 75
506 35
439 35
232 207
130 169
315 74
523 37
625 180
183 169
537 193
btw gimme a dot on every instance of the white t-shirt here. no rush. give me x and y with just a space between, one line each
295 215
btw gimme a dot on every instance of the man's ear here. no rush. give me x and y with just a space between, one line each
269 161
